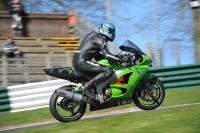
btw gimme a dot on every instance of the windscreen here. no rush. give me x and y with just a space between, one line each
130 47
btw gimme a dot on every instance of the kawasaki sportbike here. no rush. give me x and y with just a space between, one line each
129 83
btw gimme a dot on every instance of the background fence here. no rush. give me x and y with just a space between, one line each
39 53
182 76
37 95
28 96
37 24
29 70
47 25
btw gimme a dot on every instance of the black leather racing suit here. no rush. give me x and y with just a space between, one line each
90 48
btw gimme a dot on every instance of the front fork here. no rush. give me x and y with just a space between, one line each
147 85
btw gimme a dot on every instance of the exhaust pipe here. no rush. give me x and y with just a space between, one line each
70 95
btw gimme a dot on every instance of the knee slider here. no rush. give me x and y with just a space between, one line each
109 72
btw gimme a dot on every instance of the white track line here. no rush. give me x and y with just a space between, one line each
182 105
129 110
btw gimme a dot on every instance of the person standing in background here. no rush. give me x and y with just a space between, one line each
15 8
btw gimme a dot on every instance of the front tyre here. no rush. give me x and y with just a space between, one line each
142 99
60 110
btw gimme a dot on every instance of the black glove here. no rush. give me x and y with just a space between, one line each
125 59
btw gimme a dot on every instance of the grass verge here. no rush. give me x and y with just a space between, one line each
174 120
172 98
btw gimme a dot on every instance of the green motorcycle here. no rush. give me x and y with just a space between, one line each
129 83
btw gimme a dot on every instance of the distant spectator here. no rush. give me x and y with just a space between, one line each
16 9
11 49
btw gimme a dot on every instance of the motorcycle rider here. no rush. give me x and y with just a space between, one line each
90 48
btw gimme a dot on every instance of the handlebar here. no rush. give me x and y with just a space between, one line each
129 55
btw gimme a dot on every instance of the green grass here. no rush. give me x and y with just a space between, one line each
25 117
174 120
177 97
172 98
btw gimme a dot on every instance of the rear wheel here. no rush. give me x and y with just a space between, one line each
143 100
59 107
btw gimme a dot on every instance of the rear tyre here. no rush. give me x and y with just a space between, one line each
143 101
61 112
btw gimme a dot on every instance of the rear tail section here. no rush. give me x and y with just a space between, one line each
61 72
67 73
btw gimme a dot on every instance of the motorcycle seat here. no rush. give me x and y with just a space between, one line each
68 73
81 74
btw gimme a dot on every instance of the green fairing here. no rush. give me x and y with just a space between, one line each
115 65
137 71
146 61
150 76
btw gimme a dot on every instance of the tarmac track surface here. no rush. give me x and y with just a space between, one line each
87 117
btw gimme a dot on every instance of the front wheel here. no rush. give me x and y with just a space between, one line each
146 102
60 110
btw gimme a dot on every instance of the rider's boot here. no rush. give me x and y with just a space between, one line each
87 87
